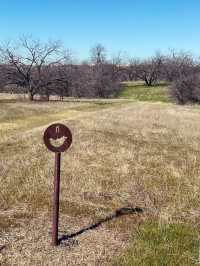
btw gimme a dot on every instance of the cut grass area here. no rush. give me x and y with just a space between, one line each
163 245
141 92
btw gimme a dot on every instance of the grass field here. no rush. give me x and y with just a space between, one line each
124 154
141 92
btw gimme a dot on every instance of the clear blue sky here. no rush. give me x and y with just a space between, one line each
139 27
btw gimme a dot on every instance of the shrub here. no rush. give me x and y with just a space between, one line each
186 89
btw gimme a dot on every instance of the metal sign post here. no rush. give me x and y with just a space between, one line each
53 134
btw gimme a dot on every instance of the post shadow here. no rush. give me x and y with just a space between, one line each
118 213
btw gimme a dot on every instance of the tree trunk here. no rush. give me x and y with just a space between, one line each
148 82
30 96
47 96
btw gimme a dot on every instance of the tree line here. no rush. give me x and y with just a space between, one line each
36 68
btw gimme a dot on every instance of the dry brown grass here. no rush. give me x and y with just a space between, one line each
133 154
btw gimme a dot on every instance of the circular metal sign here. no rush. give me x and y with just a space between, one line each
57 137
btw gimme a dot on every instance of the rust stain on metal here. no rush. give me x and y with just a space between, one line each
61 133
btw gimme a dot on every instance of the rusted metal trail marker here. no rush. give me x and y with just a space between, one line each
56 200
57 138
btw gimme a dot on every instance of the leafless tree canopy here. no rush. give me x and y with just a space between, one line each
33 67
47 69
98 54
186 89
148 70
177 65
29 64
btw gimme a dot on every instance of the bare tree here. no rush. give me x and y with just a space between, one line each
117 68
178 64
30 63
98 54
186 89
105 80
2 76
133 69
150 70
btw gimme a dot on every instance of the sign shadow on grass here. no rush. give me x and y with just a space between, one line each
118 213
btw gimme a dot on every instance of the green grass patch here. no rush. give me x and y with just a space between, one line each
141 92
163 245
